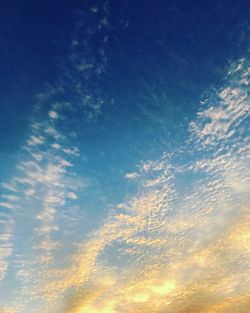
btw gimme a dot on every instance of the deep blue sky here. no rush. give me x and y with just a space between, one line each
178 46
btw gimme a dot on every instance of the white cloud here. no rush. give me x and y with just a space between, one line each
38 156
53 114
71 195
6 248
56 146
7 205
29 192
9 187
27 180
219 123
53 132
73 151
55 199
131 175
11 197
35 140
64 163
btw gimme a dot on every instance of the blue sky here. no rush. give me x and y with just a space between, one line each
124 159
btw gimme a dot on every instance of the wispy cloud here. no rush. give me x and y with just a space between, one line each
53 114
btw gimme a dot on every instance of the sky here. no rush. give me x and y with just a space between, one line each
124 156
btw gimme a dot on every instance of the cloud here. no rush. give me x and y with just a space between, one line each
131 175
6 247
71 195
29 192
10 197
33 141
53 114
8 205
218 123
53 132
8 310
9 187
56 146
39 190
72 151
